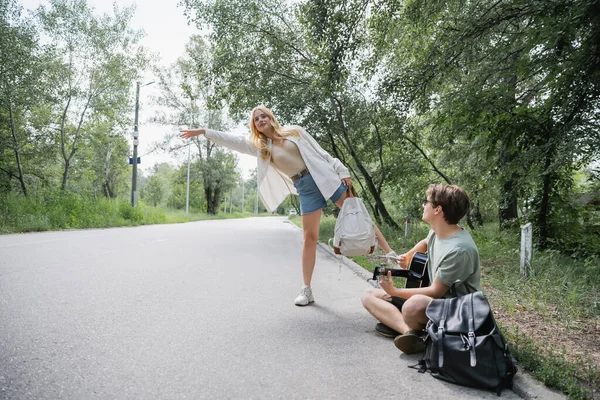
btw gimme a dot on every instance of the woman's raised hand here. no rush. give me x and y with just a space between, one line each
188 133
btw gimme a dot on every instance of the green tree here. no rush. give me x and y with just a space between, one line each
300 60
186 98
506 93
154 191
100 58
23 62
177 198
157 188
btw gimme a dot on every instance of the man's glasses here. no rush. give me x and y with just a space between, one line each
425 201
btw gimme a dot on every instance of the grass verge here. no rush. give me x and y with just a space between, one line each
67 210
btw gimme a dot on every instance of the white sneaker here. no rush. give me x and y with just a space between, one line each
305 297
391 262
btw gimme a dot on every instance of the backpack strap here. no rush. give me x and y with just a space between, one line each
440 334
421 366
351 192
471 333
458 282
453 288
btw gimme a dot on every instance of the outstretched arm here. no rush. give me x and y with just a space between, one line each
234 142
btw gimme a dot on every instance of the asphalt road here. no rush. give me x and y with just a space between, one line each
192 311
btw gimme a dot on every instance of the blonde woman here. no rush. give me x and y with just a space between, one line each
291 161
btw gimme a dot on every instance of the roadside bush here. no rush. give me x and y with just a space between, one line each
57 209
128 212
152 215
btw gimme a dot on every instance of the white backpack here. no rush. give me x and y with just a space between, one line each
354 233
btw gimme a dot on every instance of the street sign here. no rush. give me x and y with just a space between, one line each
139 160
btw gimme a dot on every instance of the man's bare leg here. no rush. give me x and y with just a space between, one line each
376 301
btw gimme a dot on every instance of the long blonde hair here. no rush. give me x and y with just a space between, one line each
259 140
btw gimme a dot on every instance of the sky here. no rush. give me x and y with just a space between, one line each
167 33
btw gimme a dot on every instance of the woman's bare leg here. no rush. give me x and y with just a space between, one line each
310 227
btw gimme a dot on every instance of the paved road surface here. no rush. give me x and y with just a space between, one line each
191 311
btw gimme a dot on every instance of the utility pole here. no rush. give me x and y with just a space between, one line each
187 190
135 145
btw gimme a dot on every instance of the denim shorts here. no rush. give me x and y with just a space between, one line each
311 198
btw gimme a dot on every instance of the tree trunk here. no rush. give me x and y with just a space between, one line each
208 198
508 216
543 214
212 200
106 189
475 214
13 129
65 176
507 207
63 137
212 196
544 211
385 215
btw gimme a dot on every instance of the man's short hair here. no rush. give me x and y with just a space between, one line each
453 199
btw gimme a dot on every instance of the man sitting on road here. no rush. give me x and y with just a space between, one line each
452 256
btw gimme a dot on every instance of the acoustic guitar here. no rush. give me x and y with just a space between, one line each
416 274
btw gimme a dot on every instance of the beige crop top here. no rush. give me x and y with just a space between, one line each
287 158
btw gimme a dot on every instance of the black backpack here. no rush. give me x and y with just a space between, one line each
465 346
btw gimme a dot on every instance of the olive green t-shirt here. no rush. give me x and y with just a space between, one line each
454 259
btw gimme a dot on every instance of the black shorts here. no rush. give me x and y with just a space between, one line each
398 302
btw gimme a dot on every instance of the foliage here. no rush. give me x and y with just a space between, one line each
57 209
64 104
298 60
23 103
185 98
505 94
97 59
498 97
